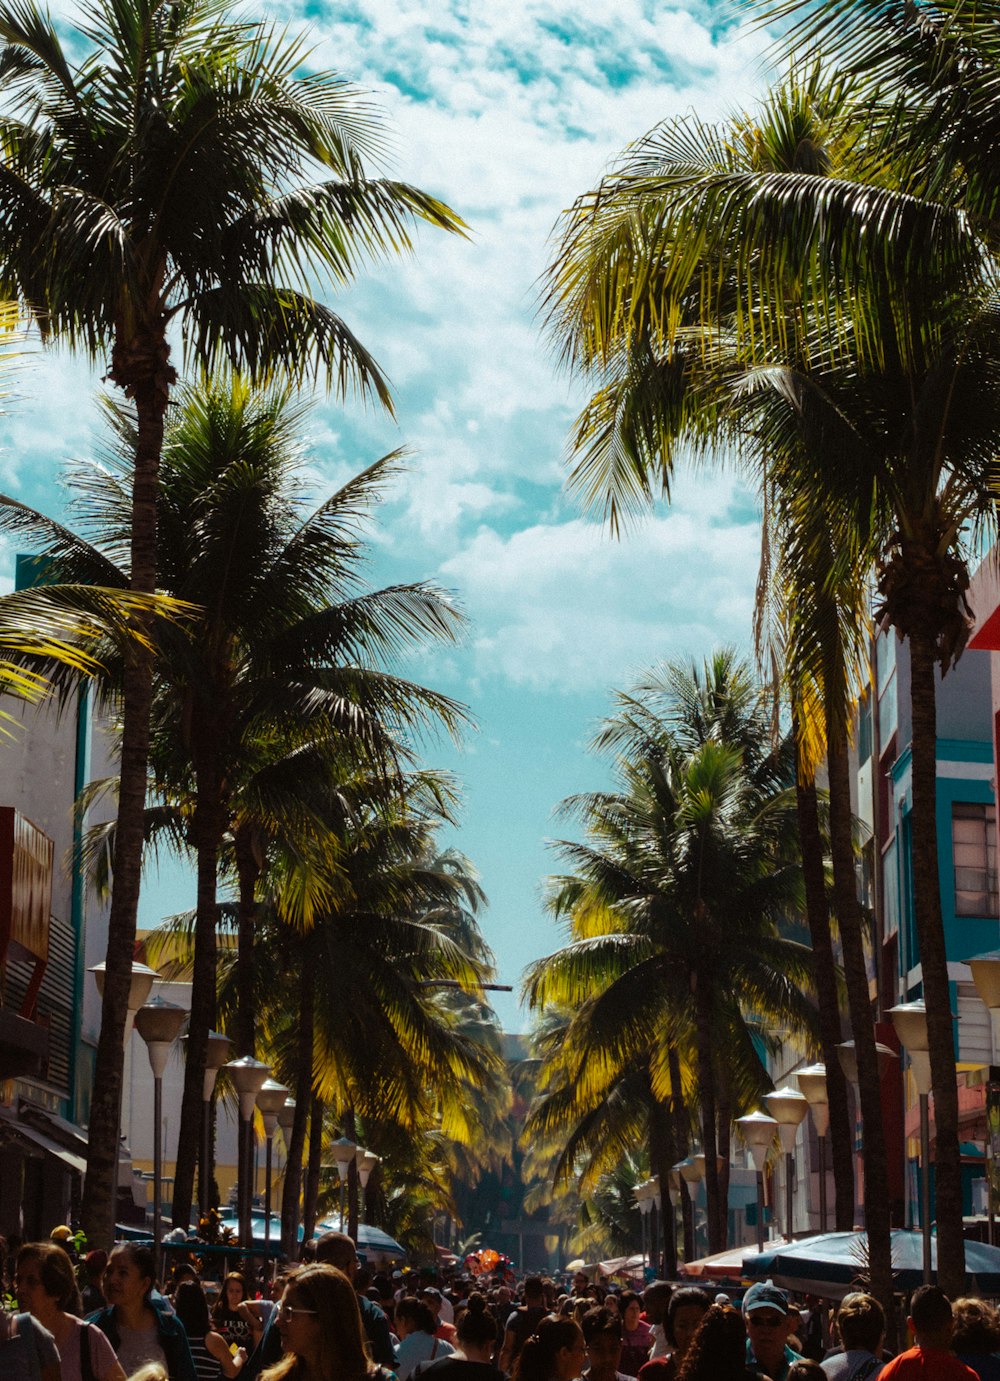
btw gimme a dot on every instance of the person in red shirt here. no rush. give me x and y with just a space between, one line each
932 1325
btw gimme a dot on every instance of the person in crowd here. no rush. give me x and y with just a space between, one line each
976 1337
476 1339
688 1306
769 1325
554 1352
211 1354
338 1250
321 1332
152 1371
181 1271
814 1329
637 1336
522 1323
27 1350
503 1306
861 1327
932 1325
434 1300
655 1302
602 1332
806 1369
92 1296
581 1284
237 1324
138 1330
415 1328
46 1288
718 1349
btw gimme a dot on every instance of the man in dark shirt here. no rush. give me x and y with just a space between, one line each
337 1249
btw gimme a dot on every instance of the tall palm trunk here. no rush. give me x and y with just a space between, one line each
706 1093
725 1118
311 1198
292 1188
209 823
248 867
681 1123
934 959
820 936
351 1130
848 909
141 367
663 1155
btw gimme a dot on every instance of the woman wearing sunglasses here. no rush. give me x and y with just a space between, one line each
320 1326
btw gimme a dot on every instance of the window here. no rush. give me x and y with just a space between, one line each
974 841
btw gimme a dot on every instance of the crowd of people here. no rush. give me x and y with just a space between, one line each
106 1319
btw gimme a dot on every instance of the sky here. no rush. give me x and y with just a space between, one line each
507 111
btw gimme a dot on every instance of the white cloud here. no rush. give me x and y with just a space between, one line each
562 606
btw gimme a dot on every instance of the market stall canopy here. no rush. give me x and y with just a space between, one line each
633 1266
831 1263
727 1265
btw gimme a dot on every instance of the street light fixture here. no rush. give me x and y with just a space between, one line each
910 1021
758 1132
789 1108
216 1055
248 1076
343 1151
159 1024
812 1083
643 1194
270 1100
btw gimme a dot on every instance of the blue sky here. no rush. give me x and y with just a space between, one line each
507 111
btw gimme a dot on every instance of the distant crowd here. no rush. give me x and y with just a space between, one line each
105 1318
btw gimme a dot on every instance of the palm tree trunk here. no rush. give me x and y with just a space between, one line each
681 1124
351 1130
292 1189
248 868
313 1169
706 1092
934 963
848 911
725 1123
662 1156
142 369
818 919
208 834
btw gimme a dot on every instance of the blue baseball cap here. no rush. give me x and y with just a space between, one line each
765 1295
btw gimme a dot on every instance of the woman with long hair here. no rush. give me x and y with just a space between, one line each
46 1286
138 1330
718 1351
320 1325
212 1358
476 1337
554 1352
230 1315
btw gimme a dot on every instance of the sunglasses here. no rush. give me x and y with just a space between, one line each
766 1320
286 1312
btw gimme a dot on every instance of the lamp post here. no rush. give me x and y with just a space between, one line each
789 1108
758 1132
140 986
343 1151
986 976
910 1021
812 1083
692 1171
643 1195
216 1055
159 1024
248 1076
367 1162
270 1100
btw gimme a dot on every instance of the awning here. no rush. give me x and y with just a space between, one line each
36 1138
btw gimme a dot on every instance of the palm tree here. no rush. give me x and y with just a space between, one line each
676 901
260 699
176 176
644 265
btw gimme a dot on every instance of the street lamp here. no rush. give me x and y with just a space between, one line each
159 1024
643 1194
216 1055
910 1021
758 1134
986 976
343 1150
140 986
248 1076
367 1162
788 1108
812 1083
270 1100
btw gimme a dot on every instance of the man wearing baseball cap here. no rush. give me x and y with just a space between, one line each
769 1324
